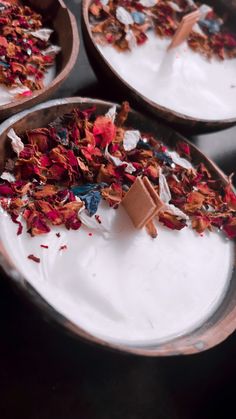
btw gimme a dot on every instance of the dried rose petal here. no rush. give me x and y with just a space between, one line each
170 221
34 258
230 197
200 223
230 228
104 131
61 170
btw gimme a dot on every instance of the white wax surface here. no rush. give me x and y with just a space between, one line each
7 97
121 285
181 79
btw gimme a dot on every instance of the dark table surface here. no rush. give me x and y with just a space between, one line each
47 374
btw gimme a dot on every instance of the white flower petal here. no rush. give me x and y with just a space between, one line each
124 16
148 3
179 160
176 211
174 6
111 113
129 168
197 29
164 190
204 9
52 49
191 3
131 139
16 142
130 38
43 34
118 162
8 176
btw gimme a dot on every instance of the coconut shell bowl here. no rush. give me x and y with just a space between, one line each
57 17
110 70
215 328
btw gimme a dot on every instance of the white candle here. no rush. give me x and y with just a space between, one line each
121 285
181 80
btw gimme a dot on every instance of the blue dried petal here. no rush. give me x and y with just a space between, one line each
3 64
211 25
138 17
158 154
62 133
145 146
163 157
90 195
85 189
91 201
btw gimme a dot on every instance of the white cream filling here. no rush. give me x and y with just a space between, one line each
7 95
121 285
181 79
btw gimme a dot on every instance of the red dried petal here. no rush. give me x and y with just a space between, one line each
200 223
194 201
63 247
45 191
183 149
15 220
3 42
230 197
51 213
230 228
113 194
56 172
6 190
36 222
39 138
104 131
171 221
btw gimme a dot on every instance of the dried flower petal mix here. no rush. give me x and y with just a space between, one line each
125 24
65 169
25 49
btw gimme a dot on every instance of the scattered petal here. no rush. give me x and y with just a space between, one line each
16 142
8 176
43 34
34 258
63 247
174 6
111 113
118 162
180 160
172 209
124 16
131 139
164 190
130 38
148 3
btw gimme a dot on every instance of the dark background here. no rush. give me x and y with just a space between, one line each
46 374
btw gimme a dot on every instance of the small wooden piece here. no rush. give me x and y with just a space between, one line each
153 193
139 203
184 28
151 229
142 202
